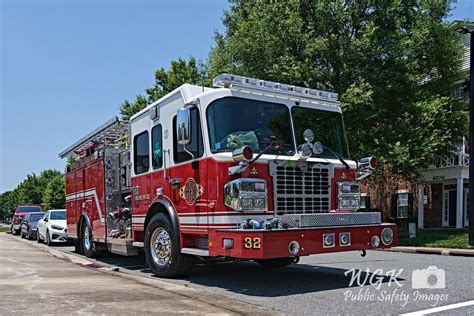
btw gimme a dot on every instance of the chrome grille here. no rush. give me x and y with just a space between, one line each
301 192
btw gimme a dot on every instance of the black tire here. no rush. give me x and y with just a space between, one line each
48 239
77 246
176 264
21 233
277 262
38 238
28 236
88 246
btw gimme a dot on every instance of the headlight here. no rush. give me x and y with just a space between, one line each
246 194
349 196
57 227
375 241
387 236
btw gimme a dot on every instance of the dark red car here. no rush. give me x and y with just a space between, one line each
20 212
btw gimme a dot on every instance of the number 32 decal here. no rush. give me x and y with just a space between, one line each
252 243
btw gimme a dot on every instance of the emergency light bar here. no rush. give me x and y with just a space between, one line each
245 83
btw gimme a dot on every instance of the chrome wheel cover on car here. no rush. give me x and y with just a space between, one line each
160 246
87 241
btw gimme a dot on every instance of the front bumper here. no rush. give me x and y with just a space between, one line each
266 244
59 236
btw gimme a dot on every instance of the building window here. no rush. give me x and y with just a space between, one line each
402 205
195 146
141 153
156 147
458 92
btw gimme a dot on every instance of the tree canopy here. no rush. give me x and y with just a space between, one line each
392 63
47 189
181 72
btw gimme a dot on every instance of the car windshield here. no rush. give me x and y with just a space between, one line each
235 122
28 209
328 128
58 215
35 217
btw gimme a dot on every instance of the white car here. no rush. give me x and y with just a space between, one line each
52 227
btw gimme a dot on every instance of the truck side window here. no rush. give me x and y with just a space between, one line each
156 147
195 146
141 153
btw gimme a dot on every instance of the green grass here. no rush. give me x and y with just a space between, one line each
4 229
441 238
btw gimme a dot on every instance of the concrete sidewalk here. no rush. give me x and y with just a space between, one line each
34 281
434 251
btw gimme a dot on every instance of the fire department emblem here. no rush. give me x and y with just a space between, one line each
190 191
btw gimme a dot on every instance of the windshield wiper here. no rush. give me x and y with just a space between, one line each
346 165
273 144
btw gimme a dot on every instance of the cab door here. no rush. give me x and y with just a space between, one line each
188 176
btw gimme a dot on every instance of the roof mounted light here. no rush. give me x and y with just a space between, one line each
252 84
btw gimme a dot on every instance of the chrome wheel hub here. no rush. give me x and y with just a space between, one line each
87 241
160 246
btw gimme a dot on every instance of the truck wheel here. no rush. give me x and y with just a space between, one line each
162 249
277 262
77 245
89 247
87 244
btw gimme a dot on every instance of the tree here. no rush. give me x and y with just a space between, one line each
54 195
7 202
181 72
29 191
391 62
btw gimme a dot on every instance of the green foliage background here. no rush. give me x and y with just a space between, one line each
393 64
46 189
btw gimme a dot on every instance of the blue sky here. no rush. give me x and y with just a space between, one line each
65 67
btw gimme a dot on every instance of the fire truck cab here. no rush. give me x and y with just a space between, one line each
251 169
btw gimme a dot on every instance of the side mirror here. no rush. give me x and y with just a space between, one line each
365 167
183 126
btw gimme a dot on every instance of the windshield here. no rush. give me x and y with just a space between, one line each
328 128
28 209
235 122
35 217
58 215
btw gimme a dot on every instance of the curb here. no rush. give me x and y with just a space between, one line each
433 251
232 305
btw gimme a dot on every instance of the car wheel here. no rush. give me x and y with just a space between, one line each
162 249
277 262
38 238
21 233
48 239
28 236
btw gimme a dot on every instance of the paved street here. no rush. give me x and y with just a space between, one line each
33 281
317 285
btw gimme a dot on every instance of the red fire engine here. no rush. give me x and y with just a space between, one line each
250 169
